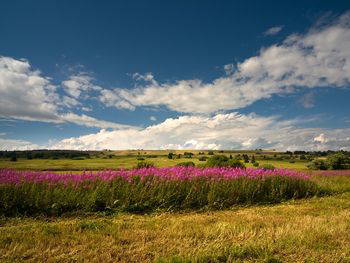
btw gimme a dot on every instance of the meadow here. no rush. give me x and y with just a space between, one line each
172 214
122 159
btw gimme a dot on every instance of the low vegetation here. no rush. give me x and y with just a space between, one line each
148 189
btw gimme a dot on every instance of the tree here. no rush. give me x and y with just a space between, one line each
338 161
318 165
252 159
170 155
246 158
223 161
13 158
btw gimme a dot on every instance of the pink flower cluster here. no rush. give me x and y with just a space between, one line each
171 173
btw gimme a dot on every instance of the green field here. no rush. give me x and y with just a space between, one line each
314 230
117 162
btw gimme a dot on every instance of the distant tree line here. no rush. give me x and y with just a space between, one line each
46 154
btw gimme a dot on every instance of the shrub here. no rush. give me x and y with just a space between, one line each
141 165
202 158
188 154
210 153
338 161
267 166
80 158
291 161
170 155
223 161
140 158
318 165
256 164
13 158
186 164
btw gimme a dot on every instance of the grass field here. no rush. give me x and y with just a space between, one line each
118 162
308 230
314 230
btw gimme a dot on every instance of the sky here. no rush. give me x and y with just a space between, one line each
94 75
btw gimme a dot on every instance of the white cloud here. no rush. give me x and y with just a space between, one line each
24 93
320 58
10 145
273 30
88 121
321 138
78 84
222 131
152 118
27 95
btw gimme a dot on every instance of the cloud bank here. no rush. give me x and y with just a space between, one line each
221 131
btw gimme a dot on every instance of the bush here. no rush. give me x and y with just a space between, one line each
141 165
267 166
13 158
186 164
318 165
256 164
223 161
80 158
140 158
338 161
202 158
210 153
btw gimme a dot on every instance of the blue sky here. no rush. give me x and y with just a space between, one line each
175 74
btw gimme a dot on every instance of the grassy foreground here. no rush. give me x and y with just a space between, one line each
312 230
304 231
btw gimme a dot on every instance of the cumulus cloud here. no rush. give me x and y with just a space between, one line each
319 58
152 118
24 93
27 95
273 30
222 131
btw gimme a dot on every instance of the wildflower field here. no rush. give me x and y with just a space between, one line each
176 214
148 189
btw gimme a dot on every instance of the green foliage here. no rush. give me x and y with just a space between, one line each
318 165
210 153
245 158
256 164
223 161
188 154
170 155
253 159
202 158
141 165
140 158
338 161
267 166
13 158
186 164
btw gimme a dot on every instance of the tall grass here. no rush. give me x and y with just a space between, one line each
145 190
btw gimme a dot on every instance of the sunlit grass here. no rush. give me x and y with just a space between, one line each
115 163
